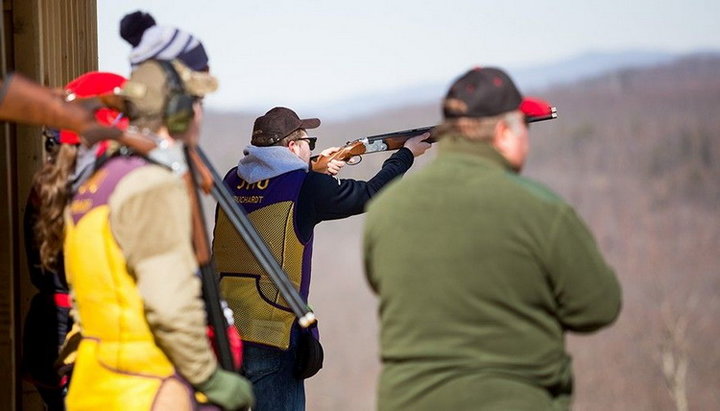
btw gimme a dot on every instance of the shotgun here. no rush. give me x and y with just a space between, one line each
353 150
260 250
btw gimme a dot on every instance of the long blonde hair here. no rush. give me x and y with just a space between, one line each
53 188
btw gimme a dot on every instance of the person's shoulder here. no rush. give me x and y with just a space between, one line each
148 179
232 173
314 180
152 175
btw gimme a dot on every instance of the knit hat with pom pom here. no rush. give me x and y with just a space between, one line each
150 41
133 25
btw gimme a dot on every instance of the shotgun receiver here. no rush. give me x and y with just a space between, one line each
352 151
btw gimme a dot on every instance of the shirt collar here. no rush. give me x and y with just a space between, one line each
457 145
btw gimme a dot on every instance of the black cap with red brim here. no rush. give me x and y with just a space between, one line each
488 92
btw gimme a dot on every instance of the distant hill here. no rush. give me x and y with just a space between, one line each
637 152
586 65
528 78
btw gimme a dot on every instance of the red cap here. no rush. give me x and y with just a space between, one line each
92 84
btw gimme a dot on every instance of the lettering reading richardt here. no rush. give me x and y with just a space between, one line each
249 199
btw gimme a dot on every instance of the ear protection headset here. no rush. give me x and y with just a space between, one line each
178 112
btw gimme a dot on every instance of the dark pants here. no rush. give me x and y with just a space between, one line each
54 398
44 332
272 373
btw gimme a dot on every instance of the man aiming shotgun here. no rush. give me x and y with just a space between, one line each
285 201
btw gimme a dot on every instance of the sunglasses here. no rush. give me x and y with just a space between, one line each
52 138
311 142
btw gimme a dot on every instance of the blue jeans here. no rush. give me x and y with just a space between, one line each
271 372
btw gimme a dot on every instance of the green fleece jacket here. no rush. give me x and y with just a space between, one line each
479 274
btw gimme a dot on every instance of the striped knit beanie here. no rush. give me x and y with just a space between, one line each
151 41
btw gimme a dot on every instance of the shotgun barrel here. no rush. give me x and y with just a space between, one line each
257 246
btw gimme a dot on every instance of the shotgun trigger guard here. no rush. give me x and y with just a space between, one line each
354 160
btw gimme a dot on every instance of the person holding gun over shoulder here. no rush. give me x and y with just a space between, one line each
285 201
476 299
68 164
131 266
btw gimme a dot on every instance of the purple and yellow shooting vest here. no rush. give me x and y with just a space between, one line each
118 364
261 314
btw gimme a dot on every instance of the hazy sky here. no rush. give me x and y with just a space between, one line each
304 53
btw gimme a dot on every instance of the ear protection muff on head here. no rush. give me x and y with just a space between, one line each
178 112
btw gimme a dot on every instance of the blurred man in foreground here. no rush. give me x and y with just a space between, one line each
479 271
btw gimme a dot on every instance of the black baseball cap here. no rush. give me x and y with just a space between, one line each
277 124
487 92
